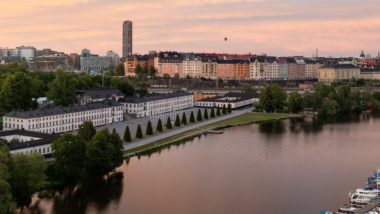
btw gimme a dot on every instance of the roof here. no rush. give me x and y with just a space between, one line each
239 97
51 110
102 93
153 97
347 66
45 138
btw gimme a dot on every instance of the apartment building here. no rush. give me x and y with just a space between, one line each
292 69
242 69
192 67
301 69
95 62
283 69
257 66
271 69
171 66
331 73
226 69
132 61
370 74
209 67
236 100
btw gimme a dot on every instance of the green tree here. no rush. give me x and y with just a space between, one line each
126 88
177 121
229 110
218 111
152 70
110 71
159 126
176 75
7 203
365 97
199 115
184 119
212 113
247 88
120 69
165 76
86 131
99 154
296 102
192 119
127 135
376 95
205 114
27 173
138 69
149 129
272 97
343 91
169 123
117 154
329 107
224 110
17 92
144 70
69 153
220 80
324 90
62 89
139 132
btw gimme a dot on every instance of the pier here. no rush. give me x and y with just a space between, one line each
368 207
214 132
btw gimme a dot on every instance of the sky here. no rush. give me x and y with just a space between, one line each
275 27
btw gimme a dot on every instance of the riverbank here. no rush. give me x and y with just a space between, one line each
241 119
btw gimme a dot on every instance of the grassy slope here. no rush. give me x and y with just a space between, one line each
245 118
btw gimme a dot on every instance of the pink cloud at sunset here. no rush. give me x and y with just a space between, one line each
275 27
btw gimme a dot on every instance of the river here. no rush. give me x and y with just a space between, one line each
302 165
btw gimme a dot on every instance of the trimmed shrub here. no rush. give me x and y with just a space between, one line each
218 111
192 119
212 113
127 135
205 114
184 119
169 123
139 132
224 110
199 115
229 110
177 121
149 129
159 125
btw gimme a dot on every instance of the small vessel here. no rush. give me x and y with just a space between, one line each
367 193
359 199
347 208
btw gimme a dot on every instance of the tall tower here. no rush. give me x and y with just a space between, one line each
317 53
127 38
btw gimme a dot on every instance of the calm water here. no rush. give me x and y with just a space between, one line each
291 166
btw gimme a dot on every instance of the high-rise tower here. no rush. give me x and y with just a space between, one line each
127 38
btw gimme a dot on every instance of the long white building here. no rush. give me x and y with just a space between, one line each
236 100
54 119
153 104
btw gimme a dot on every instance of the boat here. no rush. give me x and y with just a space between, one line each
366 193
347 208
359 199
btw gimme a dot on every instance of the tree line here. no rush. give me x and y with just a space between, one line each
80 157
326 99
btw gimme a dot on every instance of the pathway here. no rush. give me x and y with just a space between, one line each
157 137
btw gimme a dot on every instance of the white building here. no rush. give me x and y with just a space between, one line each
257 67
28 142
115 58
271 69
153 104
99 94
28 52
192 66
54 119
236 100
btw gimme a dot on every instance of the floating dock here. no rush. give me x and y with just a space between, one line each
214 132
368 207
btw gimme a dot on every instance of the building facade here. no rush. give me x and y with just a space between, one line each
331 73
226 69
115 58
271 69
283 69
242 69
51 63
292 69
236 100
127 38
132 61
170 66
192 67
257 67
95 63
28 52
301 69
209 67
75 60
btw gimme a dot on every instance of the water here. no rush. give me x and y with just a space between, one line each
302 165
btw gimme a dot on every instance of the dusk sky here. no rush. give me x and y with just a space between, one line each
275 27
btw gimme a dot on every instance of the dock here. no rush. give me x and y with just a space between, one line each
214 132
368 207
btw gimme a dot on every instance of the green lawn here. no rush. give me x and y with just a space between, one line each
245 118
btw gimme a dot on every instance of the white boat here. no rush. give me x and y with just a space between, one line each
367 193
359 199
347 208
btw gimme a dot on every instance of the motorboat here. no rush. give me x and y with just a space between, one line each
359 199
366 193
347 208
328 212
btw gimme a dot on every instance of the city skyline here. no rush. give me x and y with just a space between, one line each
278 28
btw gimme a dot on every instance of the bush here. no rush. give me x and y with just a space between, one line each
177 121
127 135
212 113
229 110
218 111
139 132
184 120
159 125
192 119
149 129
169 123
205 114
199 115
224 110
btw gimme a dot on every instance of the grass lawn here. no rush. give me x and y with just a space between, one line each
245 118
